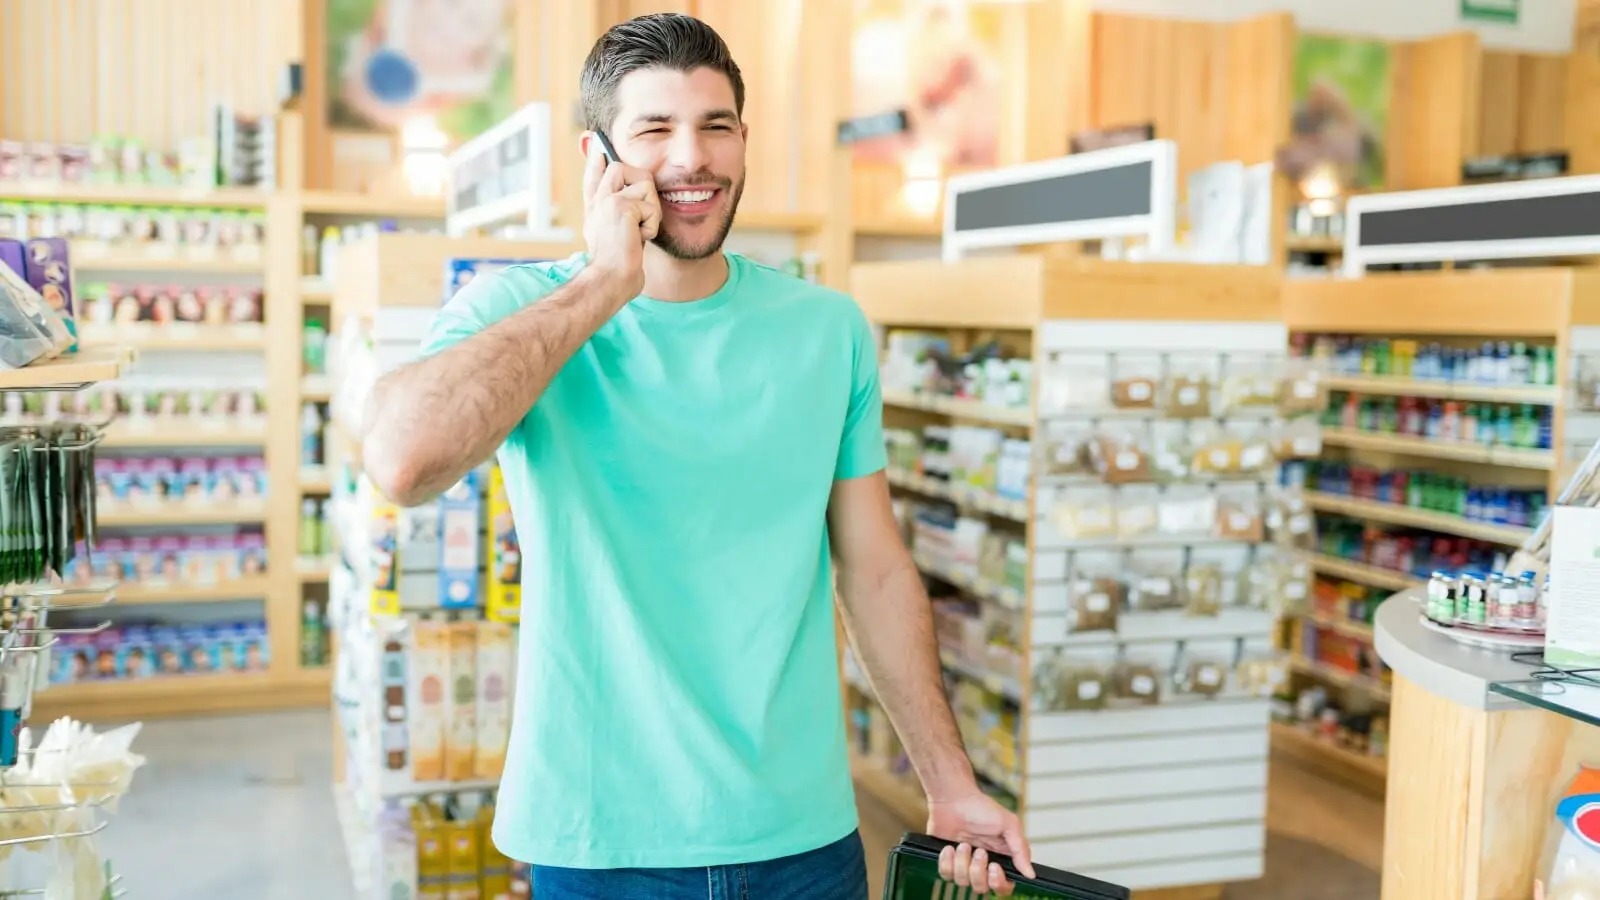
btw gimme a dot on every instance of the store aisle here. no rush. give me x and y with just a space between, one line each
235 807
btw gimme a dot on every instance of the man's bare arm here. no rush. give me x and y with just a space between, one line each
890 623
431 421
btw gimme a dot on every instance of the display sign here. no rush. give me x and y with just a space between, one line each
1516 220
866 128
1500 12
1119 192
503 175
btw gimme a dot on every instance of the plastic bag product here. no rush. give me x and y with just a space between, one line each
29 329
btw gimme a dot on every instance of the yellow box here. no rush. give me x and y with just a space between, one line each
384 553
496 662
428 681
466 863
461 704
505 555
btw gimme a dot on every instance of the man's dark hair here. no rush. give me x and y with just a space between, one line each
660 41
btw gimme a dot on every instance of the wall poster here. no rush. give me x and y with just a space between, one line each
1341 109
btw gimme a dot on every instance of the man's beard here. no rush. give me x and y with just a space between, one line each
679 250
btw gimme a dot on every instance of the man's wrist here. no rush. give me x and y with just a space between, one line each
950 779
614 287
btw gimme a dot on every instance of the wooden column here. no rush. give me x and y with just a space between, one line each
1583 90
1060 58
1433 117
825 169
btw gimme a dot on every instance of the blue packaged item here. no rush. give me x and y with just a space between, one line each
461 543
458 273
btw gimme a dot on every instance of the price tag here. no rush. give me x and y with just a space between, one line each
1253 457
1188 396
1300 523
1307 446
1097 602
1127 460
1088 690
1208 676
1304 389
1143 685
1295 590
1220 459
1139 391
1238 521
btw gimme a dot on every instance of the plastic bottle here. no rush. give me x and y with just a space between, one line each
310 263
1469 424
313 636
314 344
310 435
310 526
1521 364
1504 428
330 251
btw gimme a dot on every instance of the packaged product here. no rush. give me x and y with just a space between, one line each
1151 589
1299 438
1120 455
496 658
505 555
428 684
1239 513
1203 668
1067 448
384 550
1094 602
1085 513
1290 521
31 329
460 512
1302 390
1136 511
1136 380
461 702
1138 675
1575 869
1250 383
1170 451
1187 392
1186 511
1202 590
1074 382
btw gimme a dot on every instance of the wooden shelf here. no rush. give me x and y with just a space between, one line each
85 367
1307 243
1361 573
976 585
1460 451
120 260
899 227
961 495
134 195
315 480
315 291
970 410
1541 395
253 587
202 339
179 434
1361 631
316 388
1367 773
122 701
393 206
179 515
1340 677
901 795
313 569
778 221
1395 514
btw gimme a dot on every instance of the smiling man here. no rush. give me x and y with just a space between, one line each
689 441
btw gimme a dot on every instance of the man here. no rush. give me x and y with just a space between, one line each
686 438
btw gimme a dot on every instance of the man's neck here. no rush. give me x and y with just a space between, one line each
682 280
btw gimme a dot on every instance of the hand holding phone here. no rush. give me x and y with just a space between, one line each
621 213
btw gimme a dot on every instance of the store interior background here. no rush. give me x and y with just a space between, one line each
245 790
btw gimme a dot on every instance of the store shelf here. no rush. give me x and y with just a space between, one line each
1370 773
313 569
1361 573
236 589
962 495
316 388
891 226
1541 395
148 433
1437 449
970 410
134 195
1395 514
1312 243
315 480
198 339
901 795
395 206
123 701
123 260
85 367
976 585
1361 631
1340 677
999 684
180 514
316 291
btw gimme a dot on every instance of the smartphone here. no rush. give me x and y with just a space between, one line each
914 875
605 146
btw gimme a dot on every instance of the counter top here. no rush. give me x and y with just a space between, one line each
1435 663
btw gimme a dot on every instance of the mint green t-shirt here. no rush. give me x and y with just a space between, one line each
677 697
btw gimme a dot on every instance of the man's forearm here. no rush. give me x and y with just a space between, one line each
890 623
430 422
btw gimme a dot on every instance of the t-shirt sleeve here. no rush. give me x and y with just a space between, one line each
861 450
484 301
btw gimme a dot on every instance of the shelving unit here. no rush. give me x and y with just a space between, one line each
1091 785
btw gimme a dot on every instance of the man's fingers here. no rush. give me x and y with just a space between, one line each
997 881
947 863
978 874
1017 847
962 865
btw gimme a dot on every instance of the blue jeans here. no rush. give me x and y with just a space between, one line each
835 872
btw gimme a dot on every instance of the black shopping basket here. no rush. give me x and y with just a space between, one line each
914 875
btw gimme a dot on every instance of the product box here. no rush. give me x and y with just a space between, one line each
1572 629
12 254
427 680
460 702
385 554
460 520
433 852
396 875
50 273
495 881
496 657
505 555
392 708
464 860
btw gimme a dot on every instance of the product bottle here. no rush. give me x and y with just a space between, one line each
313 639
330 251
1469 424
309 263
314 343
310 435
1521 363
310 539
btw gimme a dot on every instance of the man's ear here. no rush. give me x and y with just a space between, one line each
744 132
584 139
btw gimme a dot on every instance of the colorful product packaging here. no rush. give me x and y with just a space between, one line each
496 657
505 555
394 640
385 555
427 684
461 706
433 852
1575 870
397 854
465 861
460 512
50 273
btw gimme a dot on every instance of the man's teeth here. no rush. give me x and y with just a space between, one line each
688 196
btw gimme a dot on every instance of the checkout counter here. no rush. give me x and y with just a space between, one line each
1479 752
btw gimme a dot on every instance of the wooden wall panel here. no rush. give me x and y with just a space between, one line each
1583 91
1257 87
148 71
1435 111
1542 102
1497 121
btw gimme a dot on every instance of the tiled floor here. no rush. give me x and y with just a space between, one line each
240 808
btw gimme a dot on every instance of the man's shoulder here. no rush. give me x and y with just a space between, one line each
776 285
